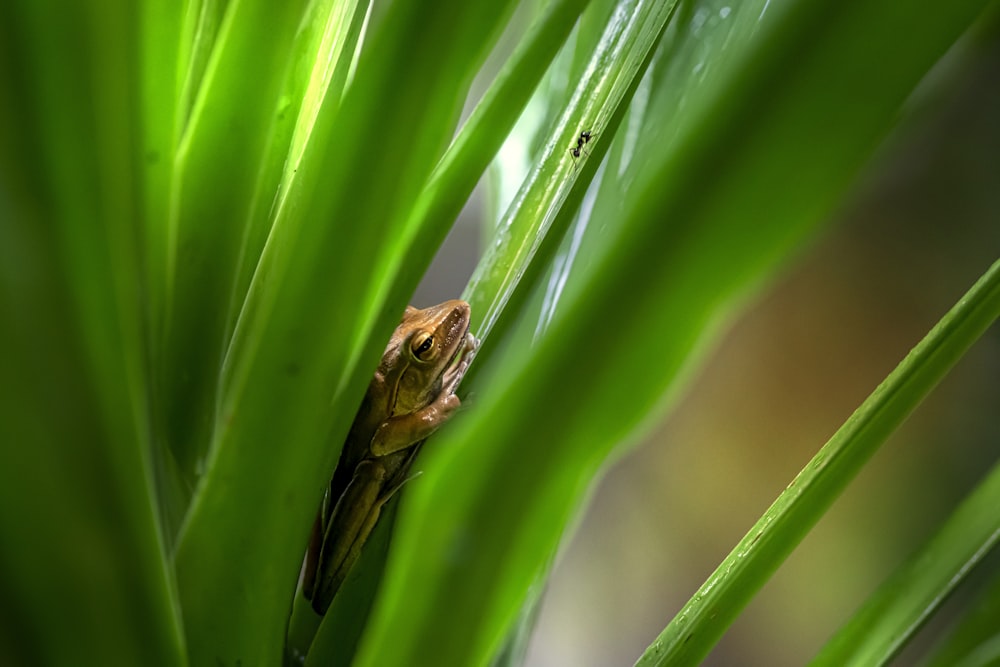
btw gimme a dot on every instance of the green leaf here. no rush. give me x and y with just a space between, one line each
249 57
325 50
480 138
616 63
83 568
891 616
975 639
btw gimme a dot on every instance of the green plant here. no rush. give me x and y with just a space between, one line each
213 214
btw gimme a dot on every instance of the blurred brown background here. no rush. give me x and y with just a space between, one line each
920 226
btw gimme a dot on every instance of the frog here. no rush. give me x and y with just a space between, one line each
410 396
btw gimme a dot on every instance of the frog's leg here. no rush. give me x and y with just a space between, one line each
388 490
402 431
352 521
354 552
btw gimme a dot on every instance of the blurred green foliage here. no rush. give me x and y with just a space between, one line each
212 214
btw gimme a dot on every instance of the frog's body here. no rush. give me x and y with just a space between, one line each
411 395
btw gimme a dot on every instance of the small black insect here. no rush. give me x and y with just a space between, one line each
584 138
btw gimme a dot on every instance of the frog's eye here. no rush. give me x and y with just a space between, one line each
422 346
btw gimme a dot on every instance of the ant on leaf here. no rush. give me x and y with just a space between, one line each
584 138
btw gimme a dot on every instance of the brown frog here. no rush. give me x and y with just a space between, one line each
411 395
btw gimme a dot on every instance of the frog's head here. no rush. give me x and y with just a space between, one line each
425 351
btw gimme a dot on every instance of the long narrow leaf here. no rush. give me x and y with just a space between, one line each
632 31
83 563
478 141
975 639
209 214
324 54
891 616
